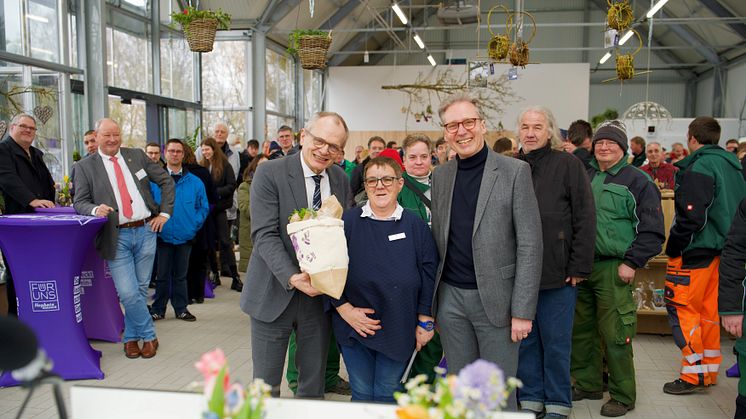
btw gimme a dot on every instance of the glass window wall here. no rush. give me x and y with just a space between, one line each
43 30
177 67
313 90
280 83
224 80
11 28
129 60
131 118
11 84
236 121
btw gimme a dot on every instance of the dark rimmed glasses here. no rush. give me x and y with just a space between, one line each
319 142
386 181
468 123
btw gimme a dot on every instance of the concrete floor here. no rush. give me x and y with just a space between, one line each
221 324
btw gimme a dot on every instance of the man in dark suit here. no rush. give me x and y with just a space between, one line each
115 183
25 181
486 224
277 295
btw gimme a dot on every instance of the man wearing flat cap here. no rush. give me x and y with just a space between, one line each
629 231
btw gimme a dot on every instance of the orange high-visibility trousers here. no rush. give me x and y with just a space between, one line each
692 305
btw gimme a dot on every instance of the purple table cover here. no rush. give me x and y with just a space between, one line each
45 253
102 315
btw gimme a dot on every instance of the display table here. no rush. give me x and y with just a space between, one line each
45 253
102 315
114 403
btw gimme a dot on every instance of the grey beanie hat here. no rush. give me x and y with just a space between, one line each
612 130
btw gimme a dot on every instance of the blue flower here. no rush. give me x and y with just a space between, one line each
481 386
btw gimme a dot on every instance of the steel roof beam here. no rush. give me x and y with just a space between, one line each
717 8
692 38
420 16
275 12
358 41
339 15
666 56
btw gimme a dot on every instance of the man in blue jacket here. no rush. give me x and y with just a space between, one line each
175 240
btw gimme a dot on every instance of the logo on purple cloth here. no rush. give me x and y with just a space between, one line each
86 280
44 296
77 290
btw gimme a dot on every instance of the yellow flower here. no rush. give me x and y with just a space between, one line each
412 411
65 179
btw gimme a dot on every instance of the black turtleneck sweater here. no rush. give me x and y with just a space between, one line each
458 269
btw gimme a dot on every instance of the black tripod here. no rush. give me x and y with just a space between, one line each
45 378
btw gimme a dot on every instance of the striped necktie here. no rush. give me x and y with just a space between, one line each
316 192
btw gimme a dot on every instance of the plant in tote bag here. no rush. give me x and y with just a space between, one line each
320 245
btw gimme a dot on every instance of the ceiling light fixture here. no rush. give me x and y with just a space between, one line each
432 60
626 37
605 58
419 41
655 8
399 13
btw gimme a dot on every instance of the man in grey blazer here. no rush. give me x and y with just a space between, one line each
486 224
115 183
277 295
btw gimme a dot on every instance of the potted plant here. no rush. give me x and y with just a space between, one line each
311 46
199 26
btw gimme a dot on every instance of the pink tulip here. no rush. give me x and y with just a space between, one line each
210 365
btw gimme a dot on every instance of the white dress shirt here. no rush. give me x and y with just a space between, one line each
140 211
326 188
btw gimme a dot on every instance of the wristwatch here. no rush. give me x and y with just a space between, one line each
428 325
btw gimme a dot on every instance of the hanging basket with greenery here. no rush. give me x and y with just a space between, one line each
199 26
311 46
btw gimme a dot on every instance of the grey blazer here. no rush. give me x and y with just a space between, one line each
278 188
506 239
92 188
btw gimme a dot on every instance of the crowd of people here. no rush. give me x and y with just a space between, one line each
523 254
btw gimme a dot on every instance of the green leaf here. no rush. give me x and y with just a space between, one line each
217 401
245 412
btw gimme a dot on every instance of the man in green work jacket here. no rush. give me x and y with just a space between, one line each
732 298
415 196
629 231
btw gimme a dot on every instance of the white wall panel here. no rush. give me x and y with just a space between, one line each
355 92
612 95
736 91
704 95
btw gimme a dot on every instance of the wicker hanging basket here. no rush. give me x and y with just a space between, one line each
312 51
497 47
200 34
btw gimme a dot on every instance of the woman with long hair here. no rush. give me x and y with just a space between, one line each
224 179
245 245
203 241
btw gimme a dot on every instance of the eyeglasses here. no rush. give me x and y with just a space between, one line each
320 142
606 143
22 126
386 181
468 123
